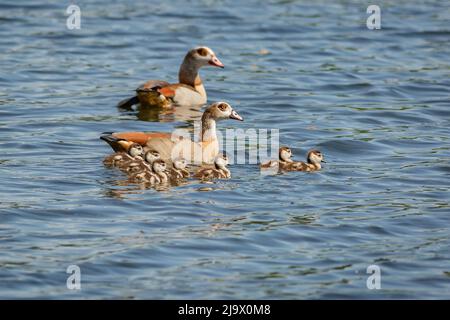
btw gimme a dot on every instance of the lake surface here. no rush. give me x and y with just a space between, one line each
375 102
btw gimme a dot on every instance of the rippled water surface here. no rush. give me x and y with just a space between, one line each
377 103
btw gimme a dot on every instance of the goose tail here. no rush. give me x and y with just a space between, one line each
128 103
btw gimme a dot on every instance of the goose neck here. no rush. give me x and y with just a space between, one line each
208 128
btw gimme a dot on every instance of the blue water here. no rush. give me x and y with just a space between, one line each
375 102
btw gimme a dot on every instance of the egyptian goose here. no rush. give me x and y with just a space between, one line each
171 146
133 151
157 174
151 156
145 176
219 171
141 177
145 172
178 170
159 168
138 164
132 166
189 90
284 158
314 159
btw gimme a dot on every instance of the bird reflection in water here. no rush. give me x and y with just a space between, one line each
173 113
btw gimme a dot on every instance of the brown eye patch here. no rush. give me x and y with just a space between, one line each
222 107
202 51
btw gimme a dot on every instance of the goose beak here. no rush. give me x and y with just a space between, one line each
216 62
234 115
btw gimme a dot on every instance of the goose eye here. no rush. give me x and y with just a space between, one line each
222 107
202 52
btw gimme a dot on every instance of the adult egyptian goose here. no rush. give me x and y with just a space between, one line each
314 159
189 90
284 158
219 171
174 146
133 151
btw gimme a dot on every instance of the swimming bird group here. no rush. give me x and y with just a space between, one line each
144 165
314 158
163 157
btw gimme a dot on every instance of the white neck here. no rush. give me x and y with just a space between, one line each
208 128
314 163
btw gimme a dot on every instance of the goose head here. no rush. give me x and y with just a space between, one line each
285 154
203 56
151 156
221 110
315 157
180 163
130 147
141 177
159 166
135 150
221 161
132 167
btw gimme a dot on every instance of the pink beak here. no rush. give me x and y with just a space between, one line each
216 62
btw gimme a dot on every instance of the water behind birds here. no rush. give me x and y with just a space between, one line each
376 103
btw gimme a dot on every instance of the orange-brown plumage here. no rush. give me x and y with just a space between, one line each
140 137
169 91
